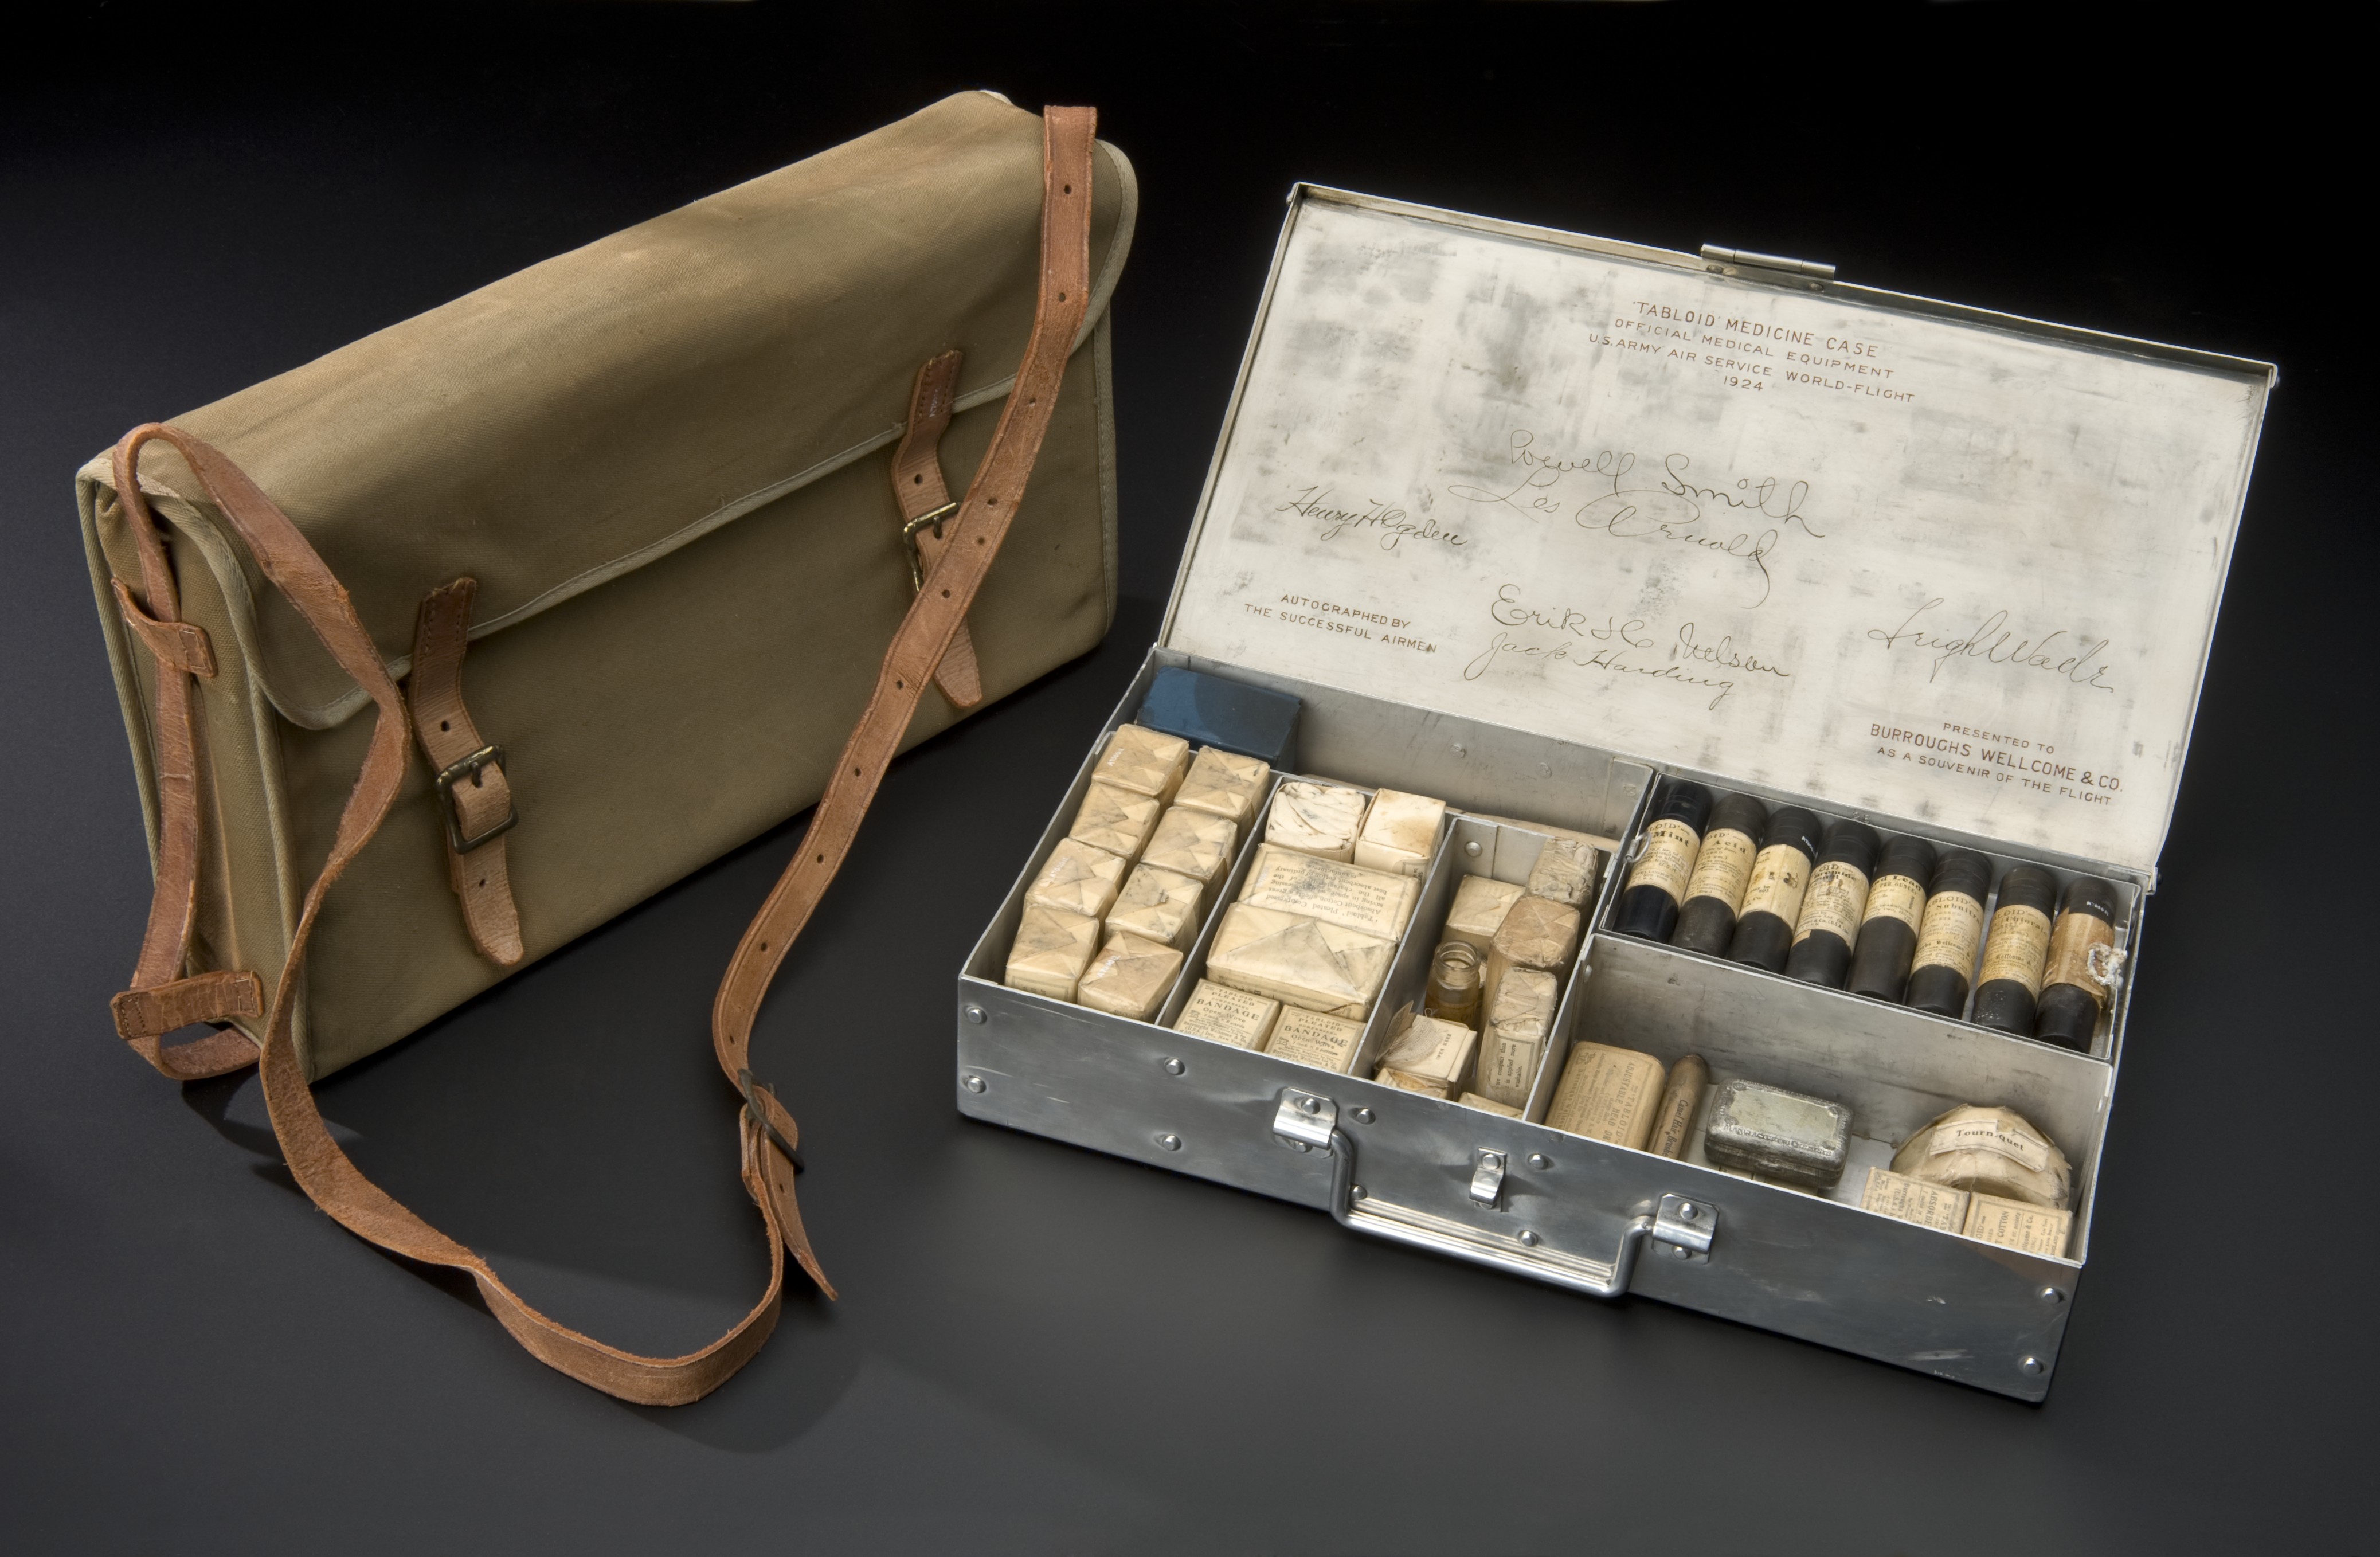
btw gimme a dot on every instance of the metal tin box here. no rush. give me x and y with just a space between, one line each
1530 519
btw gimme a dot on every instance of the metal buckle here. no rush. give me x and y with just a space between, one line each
909 538
760 1120
470 766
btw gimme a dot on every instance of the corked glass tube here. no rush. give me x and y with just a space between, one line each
1950 934
1722 870
1453 992
1832 908
2017 951
1896 905
1648 904
2082 950
1780 875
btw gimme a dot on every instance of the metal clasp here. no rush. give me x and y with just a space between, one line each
1687 1227
909 537
1304 1120
1487 1177
760 1120
470 768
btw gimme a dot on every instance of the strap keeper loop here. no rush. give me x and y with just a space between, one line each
758 1113
179 646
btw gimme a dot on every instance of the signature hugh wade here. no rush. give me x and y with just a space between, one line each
1616 648
2078 661
1606 491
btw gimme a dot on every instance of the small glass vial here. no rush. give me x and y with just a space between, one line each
1453 992
1722 870
1657 883
1832 908
2082 964
2017 951
1781 876
1896 906
1950 934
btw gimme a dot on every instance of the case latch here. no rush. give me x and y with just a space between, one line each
1685 1227
1751 266
1488 1177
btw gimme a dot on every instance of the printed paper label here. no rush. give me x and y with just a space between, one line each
1913 1199
2079 954
1723 868
1838 894
2013 1225
1954 922
2019 947
1993 1136
1896 898
1779 877
1669 861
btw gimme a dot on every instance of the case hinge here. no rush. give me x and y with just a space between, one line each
1686 1227
1304 1120
1750 265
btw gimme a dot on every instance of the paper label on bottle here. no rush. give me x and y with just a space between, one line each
1953 923
1779 876
1668 859
1837 897
2013 1225
1991 1135
1913 1199
1896 898
1723 868
2019 947
2079 955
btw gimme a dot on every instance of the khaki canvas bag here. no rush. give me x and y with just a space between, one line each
633 529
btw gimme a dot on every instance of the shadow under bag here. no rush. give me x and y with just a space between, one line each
633 528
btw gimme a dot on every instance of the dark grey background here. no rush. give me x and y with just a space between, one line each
1040 1349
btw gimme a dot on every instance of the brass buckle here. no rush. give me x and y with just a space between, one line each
909 538
760 1120
470 766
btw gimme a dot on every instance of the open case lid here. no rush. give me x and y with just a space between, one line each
1729 514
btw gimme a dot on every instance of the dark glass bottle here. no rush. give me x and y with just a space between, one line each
1832 908
2082 970
1949 934
1722 870
2017 950
1780 875
1896 905
1657 882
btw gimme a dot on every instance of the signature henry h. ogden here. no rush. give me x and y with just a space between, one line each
1747 521
2075 660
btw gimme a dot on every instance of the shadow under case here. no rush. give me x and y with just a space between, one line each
1537 523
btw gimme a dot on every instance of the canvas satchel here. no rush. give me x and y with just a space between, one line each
509 616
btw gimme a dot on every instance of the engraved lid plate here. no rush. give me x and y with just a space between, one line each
1908 558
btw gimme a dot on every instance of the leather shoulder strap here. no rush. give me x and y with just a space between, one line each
769 1134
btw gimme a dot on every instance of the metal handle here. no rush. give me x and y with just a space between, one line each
1306 1121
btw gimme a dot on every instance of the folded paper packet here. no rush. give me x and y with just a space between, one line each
1434 1050
1129 977
1228 1016
1318 819
1607 1094
1566 871
1194 843
1537 932
1309 1038
1078 878
1513 1042
1988 1151
1376 902
1118 821
1405 1082
1399 833
1299 961
1158 904
1052 948
1145 761
1487 1105
1480 905
1224 784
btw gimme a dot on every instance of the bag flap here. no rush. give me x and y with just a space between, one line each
571 422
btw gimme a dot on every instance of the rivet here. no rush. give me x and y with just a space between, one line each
1309 1105
1472 848
1364 1116
1301 1146
1540 1162
1174 1067
1460 751
1529 1239
973 1083
1170 1141
1688 1210
1354 1192
1681 1251
2032 1365
973 1012
2051 1295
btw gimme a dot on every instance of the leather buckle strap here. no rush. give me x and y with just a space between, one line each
470 768
756 1110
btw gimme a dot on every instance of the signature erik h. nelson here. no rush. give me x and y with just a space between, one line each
2077 661
1391 523
1616 648
1746 520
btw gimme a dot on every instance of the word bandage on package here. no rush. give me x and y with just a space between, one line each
1651 779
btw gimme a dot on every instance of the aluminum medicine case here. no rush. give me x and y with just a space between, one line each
1531 520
